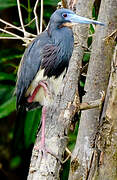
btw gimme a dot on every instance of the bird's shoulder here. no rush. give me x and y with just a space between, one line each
30 64
33 55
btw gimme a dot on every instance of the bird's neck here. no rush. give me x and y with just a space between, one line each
64 40
59 33
52 27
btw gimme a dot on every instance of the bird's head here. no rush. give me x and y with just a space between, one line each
66 17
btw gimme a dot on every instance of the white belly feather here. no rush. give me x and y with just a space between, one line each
45 99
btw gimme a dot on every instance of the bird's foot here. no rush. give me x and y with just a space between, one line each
44 151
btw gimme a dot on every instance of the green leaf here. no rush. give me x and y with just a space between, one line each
6 76
65 170
86 57
72 137
5 35
15 162
31 125
8 107
51 2
89 41
9 54
94 15
7 4
92 30
82 83
10 57
93 12
6 92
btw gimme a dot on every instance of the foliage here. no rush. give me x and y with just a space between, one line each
7 4
21 132
8 107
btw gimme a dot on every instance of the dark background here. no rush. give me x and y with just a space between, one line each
17 131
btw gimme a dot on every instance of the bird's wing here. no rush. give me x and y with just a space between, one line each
53 62
41 53
29 66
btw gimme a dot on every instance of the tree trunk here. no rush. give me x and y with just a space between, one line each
106 166
83 165
59 116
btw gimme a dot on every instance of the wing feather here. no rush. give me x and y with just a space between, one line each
53 62
29 66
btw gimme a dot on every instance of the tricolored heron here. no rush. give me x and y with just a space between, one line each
45 63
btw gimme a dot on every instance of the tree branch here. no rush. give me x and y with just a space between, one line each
106 141
96 81
18 37
59 116
93 104
41 17
18 28
20 17
36 17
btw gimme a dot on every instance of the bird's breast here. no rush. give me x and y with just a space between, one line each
53 86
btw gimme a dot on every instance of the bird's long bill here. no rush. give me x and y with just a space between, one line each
82 20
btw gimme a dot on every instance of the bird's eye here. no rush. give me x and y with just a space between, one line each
64 15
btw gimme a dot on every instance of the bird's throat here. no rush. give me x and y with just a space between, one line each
67 24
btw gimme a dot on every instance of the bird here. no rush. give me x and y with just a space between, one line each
45 62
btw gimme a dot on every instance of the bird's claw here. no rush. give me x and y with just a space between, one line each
43 150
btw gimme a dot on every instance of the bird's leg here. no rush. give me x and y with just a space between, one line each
43 128
42 148
30 100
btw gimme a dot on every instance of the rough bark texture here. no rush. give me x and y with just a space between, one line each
106 166
58 119
97 80
59 116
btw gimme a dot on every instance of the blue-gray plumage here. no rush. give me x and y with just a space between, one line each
46 60
51 51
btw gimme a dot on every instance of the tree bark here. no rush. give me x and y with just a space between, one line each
59 116
107 139
82 166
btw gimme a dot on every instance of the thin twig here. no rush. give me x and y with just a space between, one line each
3 30
30 39
18 37
11 25
15 27
69 155
110 35
93 104
41 17
36 17
29 22
20 17
90 105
